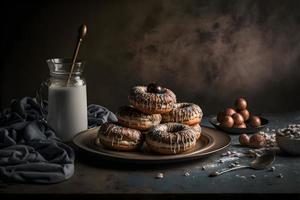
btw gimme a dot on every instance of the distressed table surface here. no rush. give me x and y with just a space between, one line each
102 177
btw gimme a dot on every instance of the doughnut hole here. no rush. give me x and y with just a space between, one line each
228 122
243 125
245 113
238 119
244 139
255 121
257 141
221 116
229 111
241 104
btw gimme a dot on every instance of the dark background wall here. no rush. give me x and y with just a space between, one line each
207 51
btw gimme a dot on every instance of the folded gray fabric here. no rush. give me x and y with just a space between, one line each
29 149
97 115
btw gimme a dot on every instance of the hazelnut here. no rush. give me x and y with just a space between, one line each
243 125
221 116
244 139
255 121
228 122
241 104
237 118
257 141
245 113
229 111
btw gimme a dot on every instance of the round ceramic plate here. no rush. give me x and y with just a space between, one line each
211 141
247 130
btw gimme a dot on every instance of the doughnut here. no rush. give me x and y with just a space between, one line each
185 113
116 137
171 138
152 102
133 118
198 130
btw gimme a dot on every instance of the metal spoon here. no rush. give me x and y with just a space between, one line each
261 162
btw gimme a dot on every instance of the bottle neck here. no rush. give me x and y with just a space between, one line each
65 75
61 79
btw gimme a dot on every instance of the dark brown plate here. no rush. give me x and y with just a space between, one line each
211 141
247 130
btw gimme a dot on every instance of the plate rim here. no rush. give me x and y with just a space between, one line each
162 158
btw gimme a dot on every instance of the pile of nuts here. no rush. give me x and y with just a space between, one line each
239 117
292 131
268 138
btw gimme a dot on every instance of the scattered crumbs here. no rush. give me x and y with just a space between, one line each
270 137
231 165
272 169
186 174
253 176
210 165
231 154
280 176
159 175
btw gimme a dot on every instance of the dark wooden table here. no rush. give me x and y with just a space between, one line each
102 177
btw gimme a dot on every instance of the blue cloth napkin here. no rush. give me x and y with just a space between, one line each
29 149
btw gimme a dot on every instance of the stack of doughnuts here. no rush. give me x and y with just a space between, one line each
185 113
153 116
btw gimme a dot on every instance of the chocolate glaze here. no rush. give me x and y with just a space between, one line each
183 112
172 133
177 136
118 133
152 101
131 112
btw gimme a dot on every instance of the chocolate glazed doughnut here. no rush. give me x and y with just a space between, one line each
171 138
132 118
185 113
152 101
198 130
114 136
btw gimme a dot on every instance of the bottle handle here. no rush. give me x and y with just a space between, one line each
40 99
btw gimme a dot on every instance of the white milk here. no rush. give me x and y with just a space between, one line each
67 111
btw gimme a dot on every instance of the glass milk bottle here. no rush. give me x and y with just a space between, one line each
67 100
